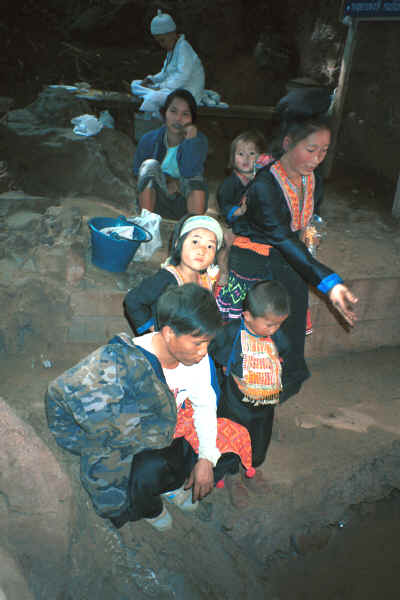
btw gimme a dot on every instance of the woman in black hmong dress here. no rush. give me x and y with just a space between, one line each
280 203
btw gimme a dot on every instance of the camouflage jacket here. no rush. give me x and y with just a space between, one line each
106 409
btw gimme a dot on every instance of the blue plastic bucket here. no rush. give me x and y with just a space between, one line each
110 253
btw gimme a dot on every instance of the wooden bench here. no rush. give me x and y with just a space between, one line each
238 111
235 111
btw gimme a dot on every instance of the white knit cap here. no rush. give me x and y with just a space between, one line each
162 23
203 222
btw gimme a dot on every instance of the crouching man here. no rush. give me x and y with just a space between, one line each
117 409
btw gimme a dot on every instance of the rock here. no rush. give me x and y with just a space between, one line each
5 103
112 21
60 222
271 52
25 230
46 157
90 18
2 345
8 270
39 256
51 261
314 541
34 310
6 181
55 107
317 39
11 202
36 506
13 585
22 220
69 217
76 264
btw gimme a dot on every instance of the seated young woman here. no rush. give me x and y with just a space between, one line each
169 161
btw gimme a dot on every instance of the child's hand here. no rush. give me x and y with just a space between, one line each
190 131
242 208
240 211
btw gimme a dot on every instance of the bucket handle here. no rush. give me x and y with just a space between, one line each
149 236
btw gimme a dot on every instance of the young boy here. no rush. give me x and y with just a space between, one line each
252 373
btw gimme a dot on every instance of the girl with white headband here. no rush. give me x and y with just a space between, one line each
195 243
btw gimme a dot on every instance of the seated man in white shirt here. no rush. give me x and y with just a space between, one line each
182 67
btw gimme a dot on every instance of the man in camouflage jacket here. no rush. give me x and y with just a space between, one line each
106 409
115 410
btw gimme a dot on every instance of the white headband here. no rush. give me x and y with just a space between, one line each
203 222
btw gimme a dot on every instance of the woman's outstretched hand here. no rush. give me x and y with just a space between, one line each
343 299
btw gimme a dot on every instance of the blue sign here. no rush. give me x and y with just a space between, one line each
380 9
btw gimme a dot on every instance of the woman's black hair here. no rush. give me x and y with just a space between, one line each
183 95
302 112
188 309
267 297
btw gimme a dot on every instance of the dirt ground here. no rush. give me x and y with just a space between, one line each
335 445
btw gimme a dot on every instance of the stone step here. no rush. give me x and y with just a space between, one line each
97 314
378 312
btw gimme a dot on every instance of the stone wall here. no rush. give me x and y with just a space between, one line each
370 134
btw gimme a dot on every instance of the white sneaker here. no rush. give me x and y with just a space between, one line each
182 499
162 522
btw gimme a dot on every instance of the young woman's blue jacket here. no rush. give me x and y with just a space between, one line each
191 155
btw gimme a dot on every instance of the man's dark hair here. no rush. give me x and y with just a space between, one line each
188 309
267 297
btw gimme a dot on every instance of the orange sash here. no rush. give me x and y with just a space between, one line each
247 244
231 437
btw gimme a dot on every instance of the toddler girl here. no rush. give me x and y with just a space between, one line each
246 156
